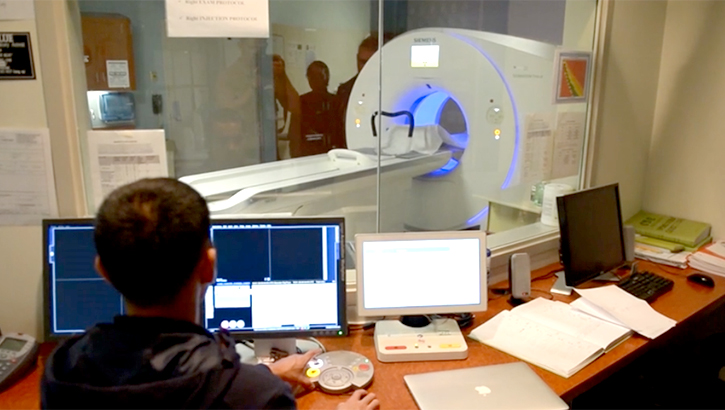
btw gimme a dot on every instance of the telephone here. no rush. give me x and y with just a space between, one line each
18 354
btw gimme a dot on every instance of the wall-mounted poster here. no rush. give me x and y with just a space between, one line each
16 57
571 83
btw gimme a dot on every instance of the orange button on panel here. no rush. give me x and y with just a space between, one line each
450 346
395 347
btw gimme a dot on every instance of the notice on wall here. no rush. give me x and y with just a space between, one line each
27 186
217 18
536 158
568 141
120 157
16 57
117 74
17 10
571 83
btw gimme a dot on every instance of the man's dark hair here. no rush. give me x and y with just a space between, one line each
319 65
150 236
371 42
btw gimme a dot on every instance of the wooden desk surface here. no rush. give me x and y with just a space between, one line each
684 303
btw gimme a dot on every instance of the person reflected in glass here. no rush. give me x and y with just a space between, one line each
365 51
229 145
318 116
285 94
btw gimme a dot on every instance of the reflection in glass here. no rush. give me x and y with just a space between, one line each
290 117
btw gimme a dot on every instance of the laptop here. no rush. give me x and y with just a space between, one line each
502 387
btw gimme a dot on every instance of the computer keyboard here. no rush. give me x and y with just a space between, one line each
646 285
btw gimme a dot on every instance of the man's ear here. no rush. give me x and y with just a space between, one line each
100 269
207 266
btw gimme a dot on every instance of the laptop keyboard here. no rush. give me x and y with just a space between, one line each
646 285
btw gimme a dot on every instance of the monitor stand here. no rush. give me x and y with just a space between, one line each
441 339
561 288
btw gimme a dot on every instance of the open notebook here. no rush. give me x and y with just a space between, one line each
551 335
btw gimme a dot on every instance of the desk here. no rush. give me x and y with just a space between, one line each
685 303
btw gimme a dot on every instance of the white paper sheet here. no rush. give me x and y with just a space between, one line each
718 248
17 10
27 186
635 313
118 74
568 141
550 349
537 147
561 316
217 18
594 310
121 157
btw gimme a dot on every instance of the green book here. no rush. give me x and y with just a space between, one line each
671 246
684 231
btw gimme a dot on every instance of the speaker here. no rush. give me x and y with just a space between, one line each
628 233
520 276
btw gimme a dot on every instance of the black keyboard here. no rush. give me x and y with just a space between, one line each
646 285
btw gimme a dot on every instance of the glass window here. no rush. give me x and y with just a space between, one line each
453 125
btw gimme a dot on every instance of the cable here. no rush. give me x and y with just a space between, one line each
547 275
318 343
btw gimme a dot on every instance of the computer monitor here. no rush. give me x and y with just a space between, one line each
278 278
76 297
592 243
421 273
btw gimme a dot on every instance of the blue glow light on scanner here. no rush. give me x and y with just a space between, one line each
445 169
427 110
478 216
517 132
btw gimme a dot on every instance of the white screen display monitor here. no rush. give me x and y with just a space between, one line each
421 273
424 56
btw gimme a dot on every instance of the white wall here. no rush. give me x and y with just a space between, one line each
22 104
48 101
627 103
686 171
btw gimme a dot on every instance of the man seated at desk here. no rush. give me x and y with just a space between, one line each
152 240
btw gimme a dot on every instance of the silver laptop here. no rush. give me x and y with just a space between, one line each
501 387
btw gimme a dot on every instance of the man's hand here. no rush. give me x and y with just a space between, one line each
291 368
360 400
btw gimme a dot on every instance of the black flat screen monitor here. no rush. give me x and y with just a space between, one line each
592 243
275 278
75 296
278 278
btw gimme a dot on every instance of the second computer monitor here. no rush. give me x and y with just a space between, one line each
421 273
592 243
278 278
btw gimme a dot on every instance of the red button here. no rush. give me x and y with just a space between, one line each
395 347
364 367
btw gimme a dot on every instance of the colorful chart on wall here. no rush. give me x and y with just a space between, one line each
572 77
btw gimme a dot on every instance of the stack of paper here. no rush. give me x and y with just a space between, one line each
552 335
661 255
710 259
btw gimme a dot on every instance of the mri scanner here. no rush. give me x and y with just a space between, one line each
446 131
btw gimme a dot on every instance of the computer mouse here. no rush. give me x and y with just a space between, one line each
701 279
